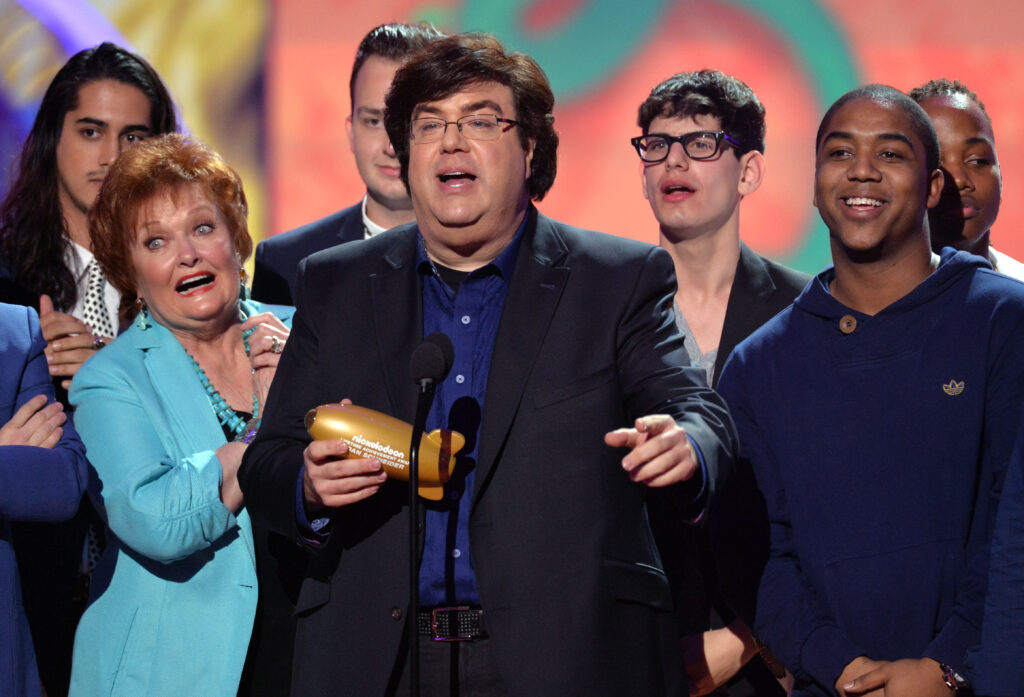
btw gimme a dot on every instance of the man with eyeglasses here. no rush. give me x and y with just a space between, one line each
701 154
539 574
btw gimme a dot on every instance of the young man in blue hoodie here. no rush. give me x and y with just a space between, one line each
878 413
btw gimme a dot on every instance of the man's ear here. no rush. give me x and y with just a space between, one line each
643 180
530 143
814 189
350 134
935 182
752 171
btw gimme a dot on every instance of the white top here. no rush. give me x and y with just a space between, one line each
370 228
77 259
1008 266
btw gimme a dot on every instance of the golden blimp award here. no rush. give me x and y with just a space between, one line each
370 433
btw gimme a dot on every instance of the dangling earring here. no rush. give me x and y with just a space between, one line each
142 318
243 289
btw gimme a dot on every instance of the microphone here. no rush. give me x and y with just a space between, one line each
432 360
430 364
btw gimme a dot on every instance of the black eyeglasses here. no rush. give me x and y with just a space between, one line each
430 129
699 145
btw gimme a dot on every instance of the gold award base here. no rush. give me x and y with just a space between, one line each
370 433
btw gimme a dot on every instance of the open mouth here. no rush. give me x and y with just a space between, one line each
677 189
194 283
861 201
456 178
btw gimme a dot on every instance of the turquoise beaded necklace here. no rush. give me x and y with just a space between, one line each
225 414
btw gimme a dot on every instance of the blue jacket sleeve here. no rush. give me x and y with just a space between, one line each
36 483
162 503
998 668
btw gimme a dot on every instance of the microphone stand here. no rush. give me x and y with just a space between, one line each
426 397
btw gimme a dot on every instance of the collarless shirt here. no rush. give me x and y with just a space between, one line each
470 316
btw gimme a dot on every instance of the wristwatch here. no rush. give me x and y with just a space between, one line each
954 681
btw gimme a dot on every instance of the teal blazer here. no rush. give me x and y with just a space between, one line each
173 598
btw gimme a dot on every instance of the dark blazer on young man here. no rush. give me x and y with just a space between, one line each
574 596
277 257
761 289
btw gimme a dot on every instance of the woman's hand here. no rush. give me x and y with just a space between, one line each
265 346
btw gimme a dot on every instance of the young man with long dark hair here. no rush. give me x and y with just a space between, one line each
103 100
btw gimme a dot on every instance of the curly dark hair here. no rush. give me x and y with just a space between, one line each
709 93
922 126
395 41
944 87
155 166
32 229
446 66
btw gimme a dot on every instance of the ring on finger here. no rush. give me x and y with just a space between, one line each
276 345
98 342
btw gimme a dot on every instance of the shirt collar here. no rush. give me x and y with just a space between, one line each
370 228
504 263
77 258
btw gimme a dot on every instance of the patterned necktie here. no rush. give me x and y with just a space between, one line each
96 315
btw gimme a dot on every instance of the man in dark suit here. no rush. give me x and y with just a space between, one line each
702 153
539 556
386 204
43 473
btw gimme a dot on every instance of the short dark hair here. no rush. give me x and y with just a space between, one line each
394 41
159 165
709 93
885 95
447 66
944 87
32 228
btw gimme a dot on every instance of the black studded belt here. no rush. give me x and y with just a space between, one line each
456 623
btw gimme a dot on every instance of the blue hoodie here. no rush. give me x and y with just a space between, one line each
879 444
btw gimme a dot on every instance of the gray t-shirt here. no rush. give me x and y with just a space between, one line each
704 360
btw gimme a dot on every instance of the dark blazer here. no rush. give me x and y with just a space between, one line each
760 290
278 257
575 598
35 484
268 667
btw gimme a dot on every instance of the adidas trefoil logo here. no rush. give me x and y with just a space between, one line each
953 388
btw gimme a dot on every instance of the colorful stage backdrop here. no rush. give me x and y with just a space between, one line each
267 85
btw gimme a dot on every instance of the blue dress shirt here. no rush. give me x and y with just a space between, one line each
470 317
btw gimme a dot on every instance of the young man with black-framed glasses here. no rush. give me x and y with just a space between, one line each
702 153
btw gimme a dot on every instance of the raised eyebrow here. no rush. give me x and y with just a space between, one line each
89 121
980 140
136 128
471 109
426 109
836 135
899 137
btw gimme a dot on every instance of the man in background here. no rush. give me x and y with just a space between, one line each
386 203
702 154
973 184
